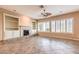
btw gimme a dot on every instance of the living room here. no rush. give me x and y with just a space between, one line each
39 29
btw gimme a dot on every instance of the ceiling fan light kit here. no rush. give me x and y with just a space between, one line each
44 13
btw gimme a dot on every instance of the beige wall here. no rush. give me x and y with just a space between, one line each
75 34
25 21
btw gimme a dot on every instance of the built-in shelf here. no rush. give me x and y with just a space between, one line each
11 26
11 23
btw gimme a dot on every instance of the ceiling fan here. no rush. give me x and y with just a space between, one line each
44 12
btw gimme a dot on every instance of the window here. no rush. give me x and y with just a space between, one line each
41 26
47 26
44 27
69 23
58 26
53 26
63 26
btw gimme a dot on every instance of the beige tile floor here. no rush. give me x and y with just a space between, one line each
39 45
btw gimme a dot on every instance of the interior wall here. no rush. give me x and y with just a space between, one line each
25 21
75 34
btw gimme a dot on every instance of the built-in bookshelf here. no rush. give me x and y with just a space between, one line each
11 23
11 26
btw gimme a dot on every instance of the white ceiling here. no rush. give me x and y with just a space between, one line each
34 10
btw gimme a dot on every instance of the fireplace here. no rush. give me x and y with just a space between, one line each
25 32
